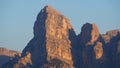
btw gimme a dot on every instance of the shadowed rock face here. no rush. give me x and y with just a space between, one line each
55 45
89 48
112 48
98 51
89 33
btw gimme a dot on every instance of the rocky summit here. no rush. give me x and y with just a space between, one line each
55 45
51 45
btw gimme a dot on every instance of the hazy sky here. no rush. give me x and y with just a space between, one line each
17 17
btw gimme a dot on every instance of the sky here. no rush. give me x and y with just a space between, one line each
17 17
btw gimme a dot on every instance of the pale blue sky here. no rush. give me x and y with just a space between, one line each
17 17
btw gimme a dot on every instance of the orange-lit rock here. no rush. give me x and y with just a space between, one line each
55 45
89 33
98 49
51 32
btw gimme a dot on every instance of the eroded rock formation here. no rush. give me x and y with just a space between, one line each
98 49
55 45
7 55
51 39
89 33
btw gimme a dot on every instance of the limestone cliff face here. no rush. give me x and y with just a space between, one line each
51 40
7 55
6 52
55 45
112 48
91 49
99 51
89 34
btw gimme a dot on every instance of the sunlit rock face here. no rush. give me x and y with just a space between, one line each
7 55
24 62
51 40
112 48
89 34
91 50
11 53
98 49
113 33
55 45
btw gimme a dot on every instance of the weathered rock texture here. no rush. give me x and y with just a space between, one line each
52 41
7 55
90 48
89 33
99 51
111 48
55 45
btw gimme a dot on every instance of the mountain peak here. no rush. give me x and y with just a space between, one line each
89 33
55 45
53 35
50 9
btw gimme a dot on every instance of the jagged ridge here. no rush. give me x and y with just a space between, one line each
55 45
